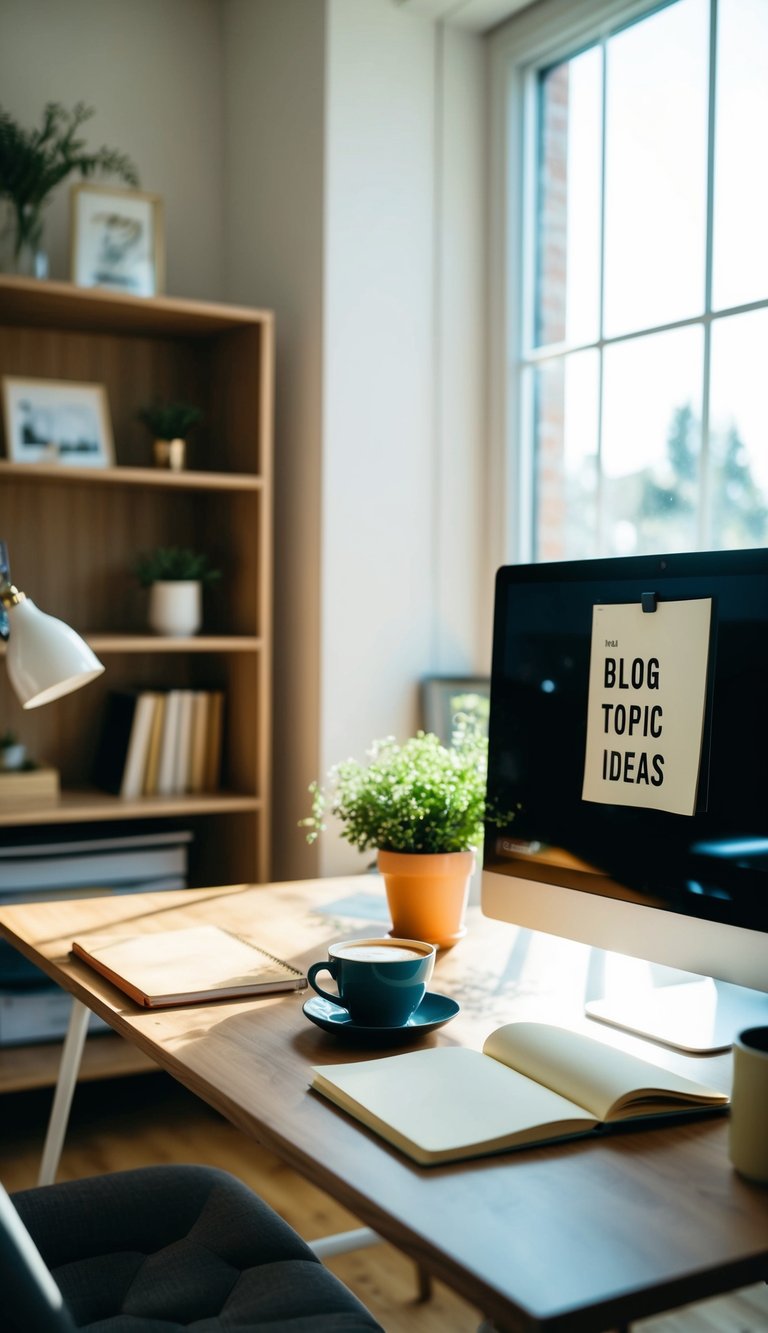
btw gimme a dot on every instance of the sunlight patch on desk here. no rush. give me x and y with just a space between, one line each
356 907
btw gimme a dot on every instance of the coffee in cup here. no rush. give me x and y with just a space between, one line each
380 981
748 1139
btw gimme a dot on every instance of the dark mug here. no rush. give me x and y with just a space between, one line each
380 982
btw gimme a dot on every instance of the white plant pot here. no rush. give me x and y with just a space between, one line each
176 607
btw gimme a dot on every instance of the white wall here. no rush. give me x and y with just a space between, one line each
274 55
355 207
379 353
323 158
153 73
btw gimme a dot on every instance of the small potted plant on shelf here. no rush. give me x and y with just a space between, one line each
170 424
32 164
175 576
422 805
13 754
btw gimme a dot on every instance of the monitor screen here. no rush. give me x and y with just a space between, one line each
613 829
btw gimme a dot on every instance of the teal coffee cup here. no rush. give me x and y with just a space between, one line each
380 982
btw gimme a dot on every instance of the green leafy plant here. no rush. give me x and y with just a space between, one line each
34 162
170 421
174 564
421 796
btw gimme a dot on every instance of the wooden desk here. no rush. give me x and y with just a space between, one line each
576 1237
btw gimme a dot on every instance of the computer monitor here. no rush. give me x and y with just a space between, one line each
614 831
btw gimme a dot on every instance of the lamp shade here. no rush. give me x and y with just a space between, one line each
45 658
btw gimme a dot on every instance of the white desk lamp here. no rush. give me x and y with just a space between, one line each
45 658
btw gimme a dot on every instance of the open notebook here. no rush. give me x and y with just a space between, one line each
531 1083
186 966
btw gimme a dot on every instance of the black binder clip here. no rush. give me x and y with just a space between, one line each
648 601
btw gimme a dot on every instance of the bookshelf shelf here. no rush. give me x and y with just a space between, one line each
37 473
75 807
156 643
74 534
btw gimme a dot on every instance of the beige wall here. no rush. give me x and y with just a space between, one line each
152 71
274 54
323 158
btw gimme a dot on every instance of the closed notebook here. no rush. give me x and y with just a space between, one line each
532 1083
186 966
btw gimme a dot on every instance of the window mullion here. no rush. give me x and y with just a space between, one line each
705 481
600 495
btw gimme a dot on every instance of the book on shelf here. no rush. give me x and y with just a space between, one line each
160 743
166 771
187 966
115 738
198 742
153 750
214 740
532 1083
183 742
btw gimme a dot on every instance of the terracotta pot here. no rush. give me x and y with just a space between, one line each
427 894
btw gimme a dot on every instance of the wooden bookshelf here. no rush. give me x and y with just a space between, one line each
105 1056
73 535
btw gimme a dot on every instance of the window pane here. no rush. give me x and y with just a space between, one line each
569 201
738 414
741 168
655 208
652 443
566 403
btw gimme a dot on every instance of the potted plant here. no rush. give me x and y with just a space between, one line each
422 806
170 424
13 754
33 163
175 576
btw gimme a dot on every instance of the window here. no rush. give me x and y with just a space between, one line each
637 363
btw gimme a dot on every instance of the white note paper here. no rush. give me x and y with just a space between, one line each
647 693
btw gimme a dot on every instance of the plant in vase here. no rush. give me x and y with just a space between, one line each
422 806
34 162
175 576
170 424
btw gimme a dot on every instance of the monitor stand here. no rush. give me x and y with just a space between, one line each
700 1016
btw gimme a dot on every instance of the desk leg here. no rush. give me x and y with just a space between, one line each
71 1054
344 1241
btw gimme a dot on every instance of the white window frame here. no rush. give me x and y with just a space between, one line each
552 30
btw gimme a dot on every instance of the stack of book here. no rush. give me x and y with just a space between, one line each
32 1008
160 743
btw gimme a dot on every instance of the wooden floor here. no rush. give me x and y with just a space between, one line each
149 1119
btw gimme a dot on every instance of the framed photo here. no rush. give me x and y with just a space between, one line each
57 421
444 696
117 239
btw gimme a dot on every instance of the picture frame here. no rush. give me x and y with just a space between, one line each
117 239
57 421
439 695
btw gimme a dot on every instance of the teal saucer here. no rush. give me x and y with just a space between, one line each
433 1012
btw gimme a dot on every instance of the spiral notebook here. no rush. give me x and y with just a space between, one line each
186 966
